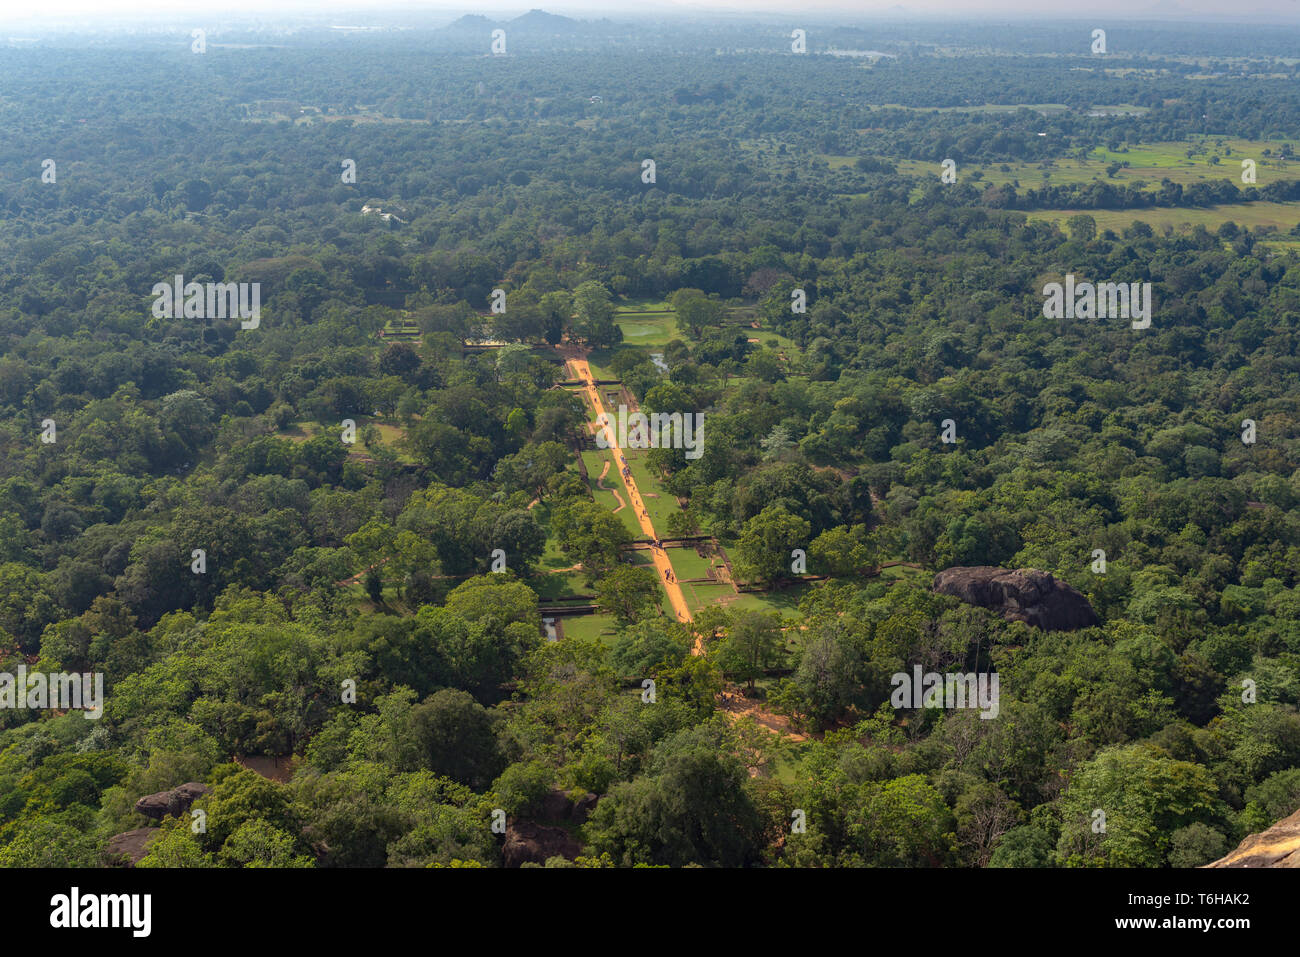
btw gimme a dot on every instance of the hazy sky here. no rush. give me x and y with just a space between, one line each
1263 10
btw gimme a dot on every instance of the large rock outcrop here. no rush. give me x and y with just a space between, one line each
1279 846
556 805
126 849
174 802
1023 594
528 842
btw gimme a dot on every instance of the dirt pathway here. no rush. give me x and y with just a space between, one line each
733 706
355 579
663 566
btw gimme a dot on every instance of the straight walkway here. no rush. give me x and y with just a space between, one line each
663 566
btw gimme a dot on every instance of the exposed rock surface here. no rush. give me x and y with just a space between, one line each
174 802
530 842
1023 594
126 849
583 807
556 805
1279 846
277 768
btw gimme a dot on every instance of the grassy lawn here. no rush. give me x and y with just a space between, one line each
1149 163
901 572
390 435
594 460
641 558
598 360
736 381
598 627
785 762
559 585
785 601
698 596
590 628
651 324
688 564
765 335
640 330
1147 167
1282 216
552 557
658 502
646 322
1231 151
633 304
1044 108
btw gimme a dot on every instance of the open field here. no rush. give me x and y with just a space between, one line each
594 460
688 564
785 601
1045 108
785 762
646 322
558 584
1282 216
390 435
590 627
651 324
658 502
700 595
898 572
1148 165
766 335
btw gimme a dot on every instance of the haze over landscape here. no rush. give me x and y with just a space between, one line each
690 435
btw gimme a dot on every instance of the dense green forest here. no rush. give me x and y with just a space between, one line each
183 512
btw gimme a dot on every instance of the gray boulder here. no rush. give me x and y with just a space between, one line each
556 805
174 802
528 842
126 849
1023 594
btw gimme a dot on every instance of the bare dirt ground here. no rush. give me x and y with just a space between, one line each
733 705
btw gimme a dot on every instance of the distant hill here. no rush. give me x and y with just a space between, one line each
534 23
472 22
539 21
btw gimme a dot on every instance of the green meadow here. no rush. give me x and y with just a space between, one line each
1281 216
